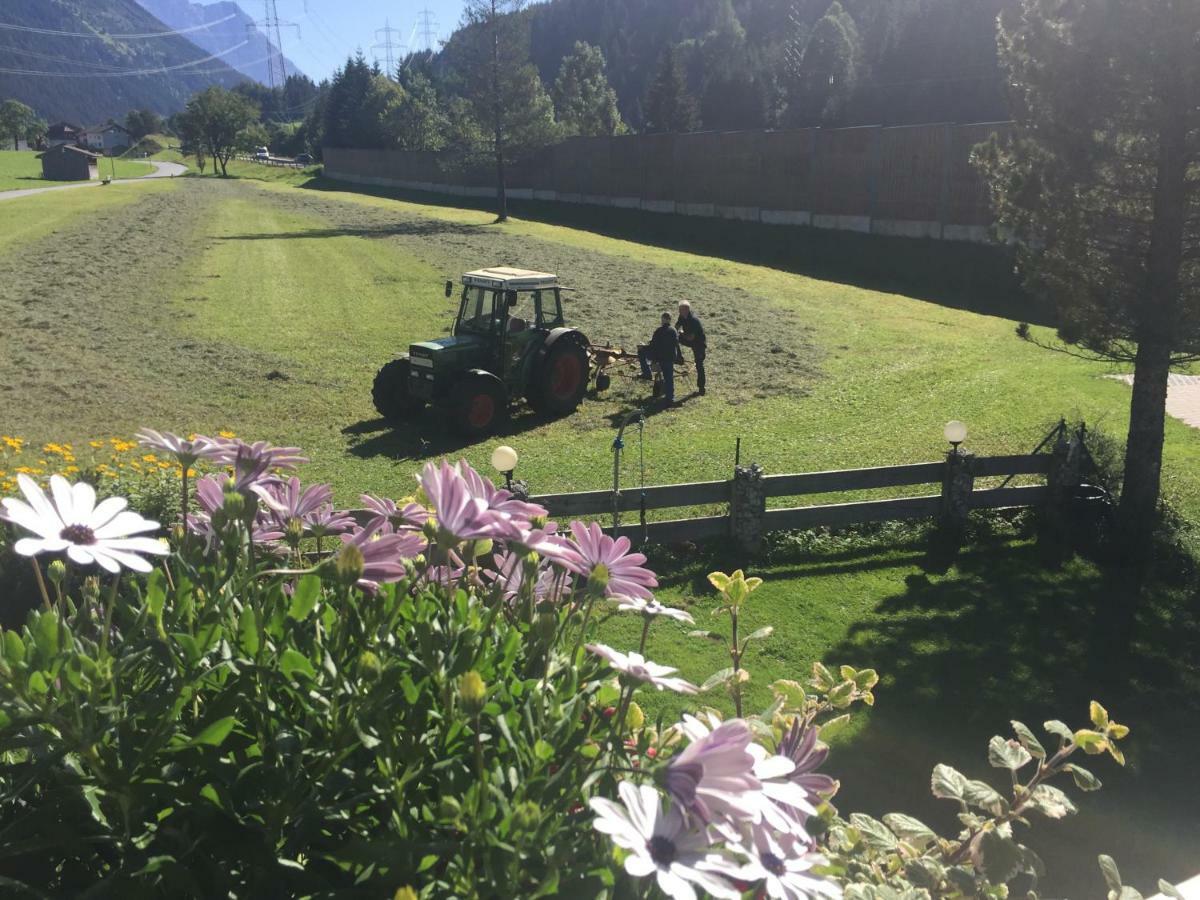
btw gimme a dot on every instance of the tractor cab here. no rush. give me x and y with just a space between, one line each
509 340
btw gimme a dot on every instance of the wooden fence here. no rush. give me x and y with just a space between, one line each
749 490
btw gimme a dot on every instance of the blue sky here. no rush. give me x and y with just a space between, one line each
332 29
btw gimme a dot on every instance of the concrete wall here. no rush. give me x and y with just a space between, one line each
913 181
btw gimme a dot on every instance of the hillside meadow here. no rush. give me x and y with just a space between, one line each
264 306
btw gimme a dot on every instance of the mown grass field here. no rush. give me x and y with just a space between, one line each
261 307
22 169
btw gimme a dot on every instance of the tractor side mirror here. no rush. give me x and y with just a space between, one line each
510 298
449 288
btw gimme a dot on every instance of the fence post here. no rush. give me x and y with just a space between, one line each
958 481
1062 483
747 507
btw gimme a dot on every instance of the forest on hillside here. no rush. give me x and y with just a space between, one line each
766 63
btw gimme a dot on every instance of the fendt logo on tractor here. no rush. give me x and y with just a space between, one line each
510 341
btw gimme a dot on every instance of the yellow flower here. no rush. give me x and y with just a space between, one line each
13 443
51 448
149 457
70 470
226 434
25 470
95 445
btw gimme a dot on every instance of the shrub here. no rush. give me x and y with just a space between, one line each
420 713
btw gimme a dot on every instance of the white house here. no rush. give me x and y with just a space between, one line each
110 139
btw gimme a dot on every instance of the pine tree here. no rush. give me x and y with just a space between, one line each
670 106
828 70
583 99
1100 188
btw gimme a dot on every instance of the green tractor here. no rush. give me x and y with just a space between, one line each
509 341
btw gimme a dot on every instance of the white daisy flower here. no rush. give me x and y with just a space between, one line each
652 607
637 666
74 522
662 844
784 863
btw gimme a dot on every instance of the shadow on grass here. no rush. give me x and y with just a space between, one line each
1004 637
959 275
418 228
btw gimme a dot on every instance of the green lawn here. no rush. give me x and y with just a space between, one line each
250 304
22 169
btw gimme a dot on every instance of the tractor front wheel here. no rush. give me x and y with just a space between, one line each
561 379
390 392
477 403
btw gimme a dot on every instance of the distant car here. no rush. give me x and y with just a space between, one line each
262 153
304 159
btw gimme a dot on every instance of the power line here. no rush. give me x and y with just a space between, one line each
276 63
388 46
127 73
427 25
9 26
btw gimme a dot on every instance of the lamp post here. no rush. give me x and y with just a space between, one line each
955 433
504 461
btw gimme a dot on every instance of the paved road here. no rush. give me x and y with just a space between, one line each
161 170
1183 396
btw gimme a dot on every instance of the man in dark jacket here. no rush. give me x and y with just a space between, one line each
664 350
691 334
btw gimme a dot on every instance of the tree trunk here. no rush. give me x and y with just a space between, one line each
1156 328
1143 449
498 120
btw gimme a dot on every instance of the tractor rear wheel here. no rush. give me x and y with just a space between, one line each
561 380
477 403
390 392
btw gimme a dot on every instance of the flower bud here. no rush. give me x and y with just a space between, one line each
56 571
430 529
233 504
539 522
484 547
546 623
405 893
634 717
178 533
294 532
350 564
369 666
91 589
598 579
472 692
527 816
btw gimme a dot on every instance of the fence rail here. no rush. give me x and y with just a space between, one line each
746 494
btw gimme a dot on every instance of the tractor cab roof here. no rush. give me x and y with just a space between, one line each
508 279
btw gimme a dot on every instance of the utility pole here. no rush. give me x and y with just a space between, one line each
427 28
389 47
271 28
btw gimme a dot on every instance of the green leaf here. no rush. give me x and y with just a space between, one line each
1059 729
1051 802
1004 754
1169 890
842 695
45 635
759 635
865 679
874 833
833 726
427 862
248 631
1001 857
790 692
304 600
910 830
1028 741
608 694
14 647
543 751
717 678
214 734
822 678
1084 780
1091 742
982 795
1112 875
1099 716
947 783
709 635
293 661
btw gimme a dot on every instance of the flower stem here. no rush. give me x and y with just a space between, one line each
110 607
645 632
37 570
737 665
183 497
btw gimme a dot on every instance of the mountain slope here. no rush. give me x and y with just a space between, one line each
227 25
65 59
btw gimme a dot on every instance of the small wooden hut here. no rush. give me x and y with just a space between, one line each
66 162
